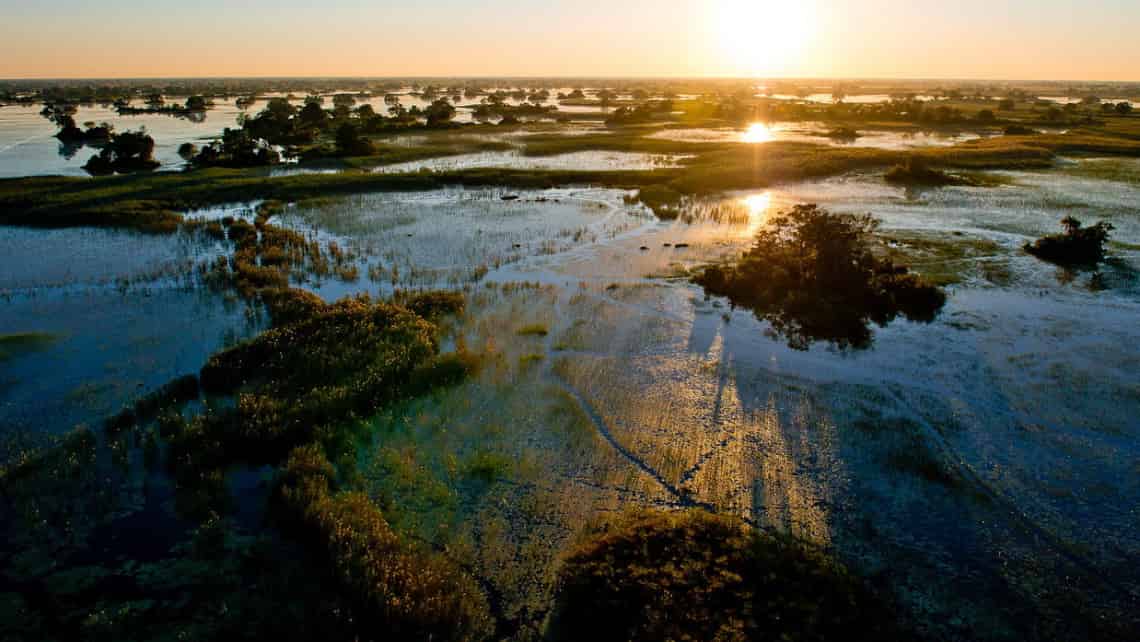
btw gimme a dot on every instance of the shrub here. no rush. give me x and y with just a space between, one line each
916 172
1020 130
1076 246
693 576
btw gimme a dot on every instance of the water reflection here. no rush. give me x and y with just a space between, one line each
757 206
757 133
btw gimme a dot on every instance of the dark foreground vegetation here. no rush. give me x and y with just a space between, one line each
1076 246
813 276
695 576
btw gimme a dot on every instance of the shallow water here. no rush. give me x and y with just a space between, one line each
28 146
591 160
987 458
123 313
814 133
643 392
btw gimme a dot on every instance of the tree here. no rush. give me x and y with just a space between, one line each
126 152
1077 246
365 112
344 100
312 115
349 142
237 148
986 116
812 276
1124 108
197 103
439 113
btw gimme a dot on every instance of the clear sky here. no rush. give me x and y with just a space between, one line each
1016 39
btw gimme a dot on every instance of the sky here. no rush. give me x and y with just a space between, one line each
984 39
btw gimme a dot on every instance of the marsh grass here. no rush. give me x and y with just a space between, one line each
533 330
656 576
17 344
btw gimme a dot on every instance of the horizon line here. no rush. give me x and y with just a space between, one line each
570 77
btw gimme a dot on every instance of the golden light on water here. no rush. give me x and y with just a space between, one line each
763 37
757 133
757 206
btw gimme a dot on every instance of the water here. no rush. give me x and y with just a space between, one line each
28 146
987 458
588 160
814 133
122 312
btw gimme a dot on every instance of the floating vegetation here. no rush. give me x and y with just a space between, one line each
812 276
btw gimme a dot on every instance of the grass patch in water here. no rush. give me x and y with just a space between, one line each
533 330
658 576
940 258
17 344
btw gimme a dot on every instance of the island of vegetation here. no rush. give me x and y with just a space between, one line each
1077 245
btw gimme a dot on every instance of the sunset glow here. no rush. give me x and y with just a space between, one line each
762 37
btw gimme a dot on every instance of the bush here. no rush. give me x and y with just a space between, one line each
349 142
812 276
1020 130
916 172
1077 246
693 576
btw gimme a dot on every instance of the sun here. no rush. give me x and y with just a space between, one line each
762 37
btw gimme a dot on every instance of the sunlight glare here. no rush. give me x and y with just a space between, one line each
757 206
757 133
762 37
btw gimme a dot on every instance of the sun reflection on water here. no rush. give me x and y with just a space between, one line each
757 133
757 206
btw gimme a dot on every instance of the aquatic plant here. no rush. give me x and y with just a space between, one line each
173 394
1076 246
916 172
395 591
812 275
663 200
695 576
533 330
